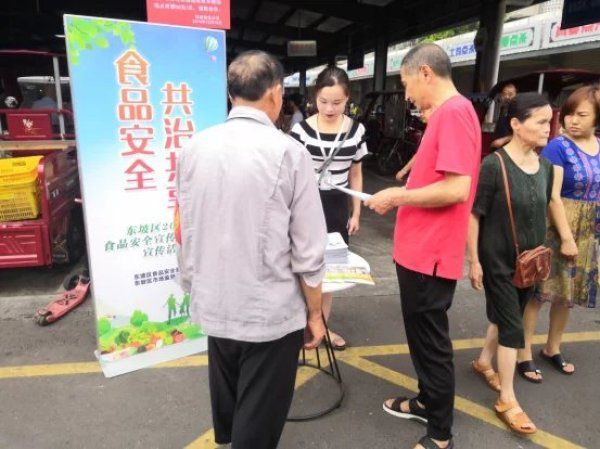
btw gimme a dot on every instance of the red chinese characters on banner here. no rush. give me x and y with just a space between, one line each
192 13
134 107
137 138
132 67
176 131
178 127
559 34
141 175
177 96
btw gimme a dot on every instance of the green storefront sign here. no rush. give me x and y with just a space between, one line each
518 39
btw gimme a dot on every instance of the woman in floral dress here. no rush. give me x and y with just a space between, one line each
576 159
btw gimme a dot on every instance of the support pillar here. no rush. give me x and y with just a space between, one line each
380 66
303 82
487 43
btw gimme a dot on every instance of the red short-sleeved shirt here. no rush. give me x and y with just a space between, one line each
433 240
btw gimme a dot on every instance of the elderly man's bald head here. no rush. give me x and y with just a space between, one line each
431 55
252 73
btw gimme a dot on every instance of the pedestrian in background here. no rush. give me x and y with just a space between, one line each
297 109
502 130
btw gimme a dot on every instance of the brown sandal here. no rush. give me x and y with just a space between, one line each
517 421
488 374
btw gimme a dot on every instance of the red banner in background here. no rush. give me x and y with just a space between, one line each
191 13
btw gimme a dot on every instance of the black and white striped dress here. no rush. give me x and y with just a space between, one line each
354 149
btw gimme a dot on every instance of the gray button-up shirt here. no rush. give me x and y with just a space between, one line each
251 223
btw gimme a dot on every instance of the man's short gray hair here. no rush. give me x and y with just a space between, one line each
431 55
252 73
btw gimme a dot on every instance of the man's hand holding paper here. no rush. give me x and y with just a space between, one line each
385 200
354 193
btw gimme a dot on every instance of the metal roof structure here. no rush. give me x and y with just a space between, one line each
336 25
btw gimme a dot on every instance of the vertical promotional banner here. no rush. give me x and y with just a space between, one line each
140 91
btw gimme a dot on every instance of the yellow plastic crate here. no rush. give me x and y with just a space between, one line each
18 188
18 170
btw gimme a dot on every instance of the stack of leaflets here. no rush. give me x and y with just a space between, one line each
336 251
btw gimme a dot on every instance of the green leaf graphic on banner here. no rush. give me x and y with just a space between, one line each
104 326
142 335
89 34
102 42
138 318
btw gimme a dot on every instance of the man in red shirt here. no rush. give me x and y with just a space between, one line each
431 233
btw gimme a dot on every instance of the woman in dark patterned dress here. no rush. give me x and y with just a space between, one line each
491 246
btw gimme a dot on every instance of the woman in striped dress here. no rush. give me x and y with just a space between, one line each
335 140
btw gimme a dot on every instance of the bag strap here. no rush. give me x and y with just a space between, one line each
508 202
336 150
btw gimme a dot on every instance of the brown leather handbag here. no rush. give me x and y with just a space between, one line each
532 266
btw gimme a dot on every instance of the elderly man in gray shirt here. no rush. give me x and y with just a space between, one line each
253 239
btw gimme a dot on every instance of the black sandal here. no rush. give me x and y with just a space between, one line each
428 443
528 367
415 412
557 361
